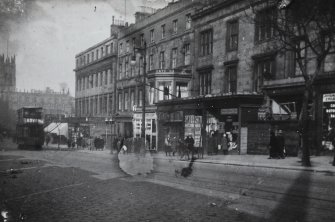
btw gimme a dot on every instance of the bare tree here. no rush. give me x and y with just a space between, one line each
307 29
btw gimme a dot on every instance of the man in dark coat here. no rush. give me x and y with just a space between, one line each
280 141
273 145
331 137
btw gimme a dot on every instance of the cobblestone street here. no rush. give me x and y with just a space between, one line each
39 191
82 185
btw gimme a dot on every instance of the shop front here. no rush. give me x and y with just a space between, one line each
208 120
150 129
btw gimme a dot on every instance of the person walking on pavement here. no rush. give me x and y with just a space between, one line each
47 139
280 141
224 144
331 137
191 145
174 142
167 143
211 144
272 145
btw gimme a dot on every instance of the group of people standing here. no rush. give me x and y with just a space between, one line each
221 142
277 145
174 145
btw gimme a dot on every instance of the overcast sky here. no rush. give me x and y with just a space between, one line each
45 35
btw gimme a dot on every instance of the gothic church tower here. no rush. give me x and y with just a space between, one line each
7 74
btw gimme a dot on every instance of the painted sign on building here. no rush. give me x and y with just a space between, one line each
329 105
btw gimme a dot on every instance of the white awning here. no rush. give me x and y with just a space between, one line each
57 128
277 109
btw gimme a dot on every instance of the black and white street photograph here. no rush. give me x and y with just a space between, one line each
167 110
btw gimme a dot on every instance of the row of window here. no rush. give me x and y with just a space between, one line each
95 105
263 31
127 99
39 100
95 80
96 54
126 70
152 34
264 70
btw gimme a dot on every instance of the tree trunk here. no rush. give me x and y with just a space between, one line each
304 122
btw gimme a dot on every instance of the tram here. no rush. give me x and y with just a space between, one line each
29 127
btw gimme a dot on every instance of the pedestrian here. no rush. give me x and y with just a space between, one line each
331 137
272 146
174 142
211 144
191 145
47 140
280 141
167 144
96 143
224 144
118 145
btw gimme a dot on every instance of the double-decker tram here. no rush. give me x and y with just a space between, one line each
29 127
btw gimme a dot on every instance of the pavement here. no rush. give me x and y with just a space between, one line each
319 163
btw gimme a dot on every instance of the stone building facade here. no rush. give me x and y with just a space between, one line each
213 71
95 84
168 37
237 71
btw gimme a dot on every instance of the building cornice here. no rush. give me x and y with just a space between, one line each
95 46
139 27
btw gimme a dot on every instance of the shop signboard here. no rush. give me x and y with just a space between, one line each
329 97
230 111
329 105
328 114
193 128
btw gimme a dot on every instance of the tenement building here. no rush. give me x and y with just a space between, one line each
223 95
210 70
158 47
95 82
238 78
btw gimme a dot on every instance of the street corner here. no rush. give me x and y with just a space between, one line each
136 163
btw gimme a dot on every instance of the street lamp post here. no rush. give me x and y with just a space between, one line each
108 121
143 52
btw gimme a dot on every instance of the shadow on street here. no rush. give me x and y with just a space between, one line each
294 205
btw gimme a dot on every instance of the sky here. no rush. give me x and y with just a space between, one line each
45 35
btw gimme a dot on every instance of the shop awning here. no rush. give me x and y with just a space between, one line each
57 128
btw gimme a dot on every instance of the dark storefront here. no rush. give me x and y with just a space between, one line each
324 111
321 110
208 119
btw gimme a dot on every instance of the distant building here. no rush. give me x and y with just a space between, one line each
55 104
7 73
